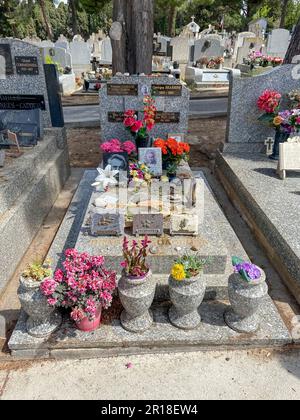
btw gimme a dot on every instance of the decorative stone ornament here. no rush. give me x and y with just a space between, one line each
107 224
246 299
136 295
43 319
186 296
184 224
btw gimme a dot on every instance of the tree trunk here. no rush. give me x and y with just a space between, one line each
132 36
294 47
74 17
46 19
172 21
283 13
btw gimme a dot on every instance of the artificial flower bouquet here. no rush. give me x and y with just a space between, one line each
135 255
187 267
141 128
215 63
248 271
82 285
269 102
140 174
173 152
116 146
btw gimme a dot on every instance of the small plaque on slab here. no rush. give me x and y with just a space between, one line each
148 224
27 66
122 89
166 90
184 225
107 224
167 117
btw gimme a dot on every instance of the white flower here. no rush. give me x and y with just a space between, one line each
106 177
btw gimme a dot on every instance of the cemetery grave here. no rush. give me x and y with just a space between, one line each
94 225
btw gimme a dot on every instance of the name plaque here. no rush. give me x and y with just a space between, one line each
21 102
122 89
167 117
166 90
27 66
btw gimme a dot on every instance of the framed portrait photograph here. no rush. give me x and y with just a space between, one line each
118 161
152 157
179 137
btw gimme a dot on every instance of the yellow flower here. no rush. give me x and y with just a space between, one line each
147 177
164 179
277 120
143 166
178 272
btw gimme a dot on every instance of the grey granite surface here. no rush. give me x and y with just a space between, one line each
122 103
23 84
273 204
243 126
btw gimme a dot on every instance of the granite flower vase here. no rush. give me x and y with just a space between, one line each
280 137
43 319
136 295
246 299
87 325
186 297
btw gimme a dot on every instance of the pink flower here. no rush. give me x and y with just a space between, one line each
77 315
124 264
129 113
48 287
129 147
129 122
137 126
52 301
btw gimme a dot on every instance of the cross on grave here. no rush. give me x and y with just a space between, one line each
270 144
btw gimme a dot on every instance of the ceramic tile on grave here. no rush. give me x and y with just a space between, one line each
148 224
107 224
184 224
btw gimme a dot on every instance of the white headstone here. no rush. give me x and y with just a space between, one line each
278 42
62 42
208 46
106 51
181 49
81 55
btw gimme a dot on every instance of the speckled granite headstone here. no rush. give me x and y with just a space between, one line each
243 126
15 85
127 92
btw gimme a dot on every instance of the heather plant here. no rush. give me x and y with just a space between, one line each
82 285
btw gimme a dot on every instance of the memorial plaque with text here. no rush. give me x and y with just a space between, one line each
148 224
27 66
5 52
21 102
166 90
122 89
167 117
115 117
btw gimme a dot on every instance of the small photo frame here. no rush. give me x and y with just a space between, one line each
118 161
179 137
152 157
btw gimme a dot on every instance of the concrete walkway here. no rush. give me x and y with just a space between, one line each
212 375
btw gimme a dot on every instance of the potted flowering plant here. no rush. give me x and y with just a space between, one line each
187 289
140 128
116 146
173 153
84 286
42 317
136 287
269 102
247 290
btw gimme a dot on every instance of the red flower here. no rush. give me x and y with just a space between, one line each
269 101
129 121
137 126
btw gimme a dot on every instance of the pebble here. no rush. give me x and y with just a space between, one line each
178 249
153 250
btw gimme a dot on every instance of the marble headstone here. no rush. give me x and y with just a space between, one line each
278 43
209 46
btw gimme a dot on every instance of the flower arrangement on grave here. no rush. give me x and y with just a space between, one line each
294 97
248 271
116 146
105 179
256 58
173 153
84 286
202 62
187 267
135 255
215 62
38 271
140 128
140 174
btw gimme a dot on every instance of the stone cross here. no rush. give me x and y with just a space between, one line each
269 143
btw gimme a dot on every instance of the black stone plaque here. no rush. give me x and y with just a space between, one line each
107 224
115 117
122 89
166 90
148 224
167 117
5 52
27 66
21 102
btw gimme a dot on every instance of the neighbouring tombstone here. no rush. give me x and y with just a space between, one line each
247 44
243 125
278 43
55 104
259 27
24 86
106 51
81 55
62 42
181 49
208 46
126 92
289 156
148 224
210 78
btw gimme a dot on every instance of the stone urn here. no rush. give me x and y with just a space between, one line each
246 299
43 319
136 295
186 296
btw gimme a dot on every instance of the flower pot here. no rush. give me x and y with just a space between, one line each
186 297
280 137
43 319
142 142
246 300
88 326
136 295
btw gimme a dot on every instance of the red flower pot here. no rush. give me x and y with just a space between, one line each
87 326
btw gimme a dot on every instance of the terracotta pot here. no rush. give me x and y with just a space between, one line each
246 300
43 319
88 326
136 295
186 296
